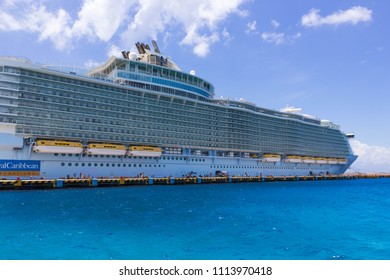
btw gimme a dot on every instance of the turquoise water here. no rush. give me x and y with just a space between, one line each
284 220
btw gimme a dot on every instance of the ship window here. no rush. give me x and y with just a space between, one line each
63 155
135 165
89 164
70 155
56 155
124 165
76 164
70 164
101 164
62 164
113 165
107 164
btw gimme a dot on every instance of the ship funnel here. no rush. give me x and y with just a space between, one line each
143 47
125 54
140 48
156 49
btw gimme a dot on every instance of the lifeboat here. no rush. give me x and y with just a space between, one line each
332 160
293 159
144 151
309 160
106 149
321 160
341 161
57 146
271 158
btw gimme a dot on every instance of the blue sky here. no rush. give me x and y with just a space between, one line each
330 58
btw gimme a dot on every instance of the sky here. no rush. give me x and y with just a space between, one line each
330 58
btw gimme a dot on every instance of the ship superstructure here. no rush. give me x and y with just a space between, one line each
140 114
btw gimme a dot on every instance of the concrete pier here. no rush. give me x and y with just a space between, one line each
22 184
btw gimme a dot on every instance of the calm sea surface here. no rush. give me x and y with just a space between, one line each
294 220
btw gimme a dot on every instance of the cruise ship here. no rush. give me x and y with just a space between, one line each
141 115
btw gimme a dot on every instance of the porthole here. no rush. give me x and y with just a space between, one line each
101 164
62 163
107 164
69 164
76 164
113 165
89 164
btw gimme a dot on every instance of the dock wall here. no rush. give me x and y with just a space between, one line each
19 184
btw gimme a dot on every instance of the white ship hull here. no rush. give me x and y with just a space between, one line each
73 165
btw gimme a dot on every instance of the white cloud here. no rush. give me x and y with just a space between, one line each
274 38
352 16
114 51
275 23
92 64
129 20
101 18
226 36
251 27
280 38
371 158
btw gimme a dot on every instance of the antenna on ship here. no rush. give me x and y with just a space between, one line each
156 49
